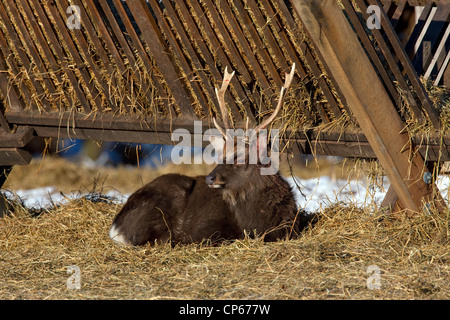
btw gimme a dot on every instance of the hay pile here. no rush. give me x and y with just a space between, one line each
329 261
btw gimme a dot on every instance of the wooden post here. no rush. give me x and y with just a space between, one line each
335 39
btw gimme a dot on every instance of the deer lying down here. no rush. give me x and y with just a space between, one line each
232 200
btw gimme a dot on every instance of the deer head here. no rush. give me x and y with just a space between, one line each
238 170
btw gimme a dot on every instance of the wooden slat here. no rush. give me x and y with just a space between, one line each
443 72
440 54
394 67
350 10
398 13
433 35
66 38
83 46
352 144
193 55
9 91
260 26
271 14
368 100
17 139
313 63
34 54
143 55
60 55
227 54
47 52
412 75
255 40
178 51
199 41
14 156
21 54
93 37
110 46
127 49
410 45
22 90
241 40
152 36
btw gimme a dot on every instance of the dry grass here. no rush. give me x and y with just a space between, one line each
329 261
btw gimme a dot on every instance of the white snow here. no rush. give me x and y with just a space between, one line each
313 194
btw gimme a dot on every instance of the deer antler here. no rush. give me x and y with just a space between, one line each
284 89
221 98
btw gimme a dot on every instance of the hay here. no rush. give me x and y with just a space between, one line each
329 261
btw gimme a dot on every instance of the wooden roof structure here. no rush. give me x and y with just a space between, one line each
137 70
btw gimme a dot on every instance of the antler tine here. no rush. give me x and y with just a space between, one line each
222 131
284 89
220 93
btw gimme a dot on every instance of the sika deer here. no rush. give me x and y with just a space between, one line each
232 200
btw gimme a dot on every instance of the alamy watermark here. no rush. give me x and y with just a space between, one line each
74 17
242 146
374 280
74 281
374 20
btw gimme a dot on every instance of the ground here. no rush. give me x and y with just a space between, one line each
352 253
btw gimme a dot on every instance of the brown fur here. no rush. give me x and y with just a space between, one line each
182 209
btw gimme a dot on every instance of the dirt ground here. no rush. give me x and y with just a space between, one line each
350 254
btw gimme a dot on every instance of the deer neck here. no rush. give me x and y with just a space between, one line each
261 197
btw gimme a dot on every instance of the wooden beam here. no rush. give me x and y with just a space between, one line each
17 139
14 156
368 100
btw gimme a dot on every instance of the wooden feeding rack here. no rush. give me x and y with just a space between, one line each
135 71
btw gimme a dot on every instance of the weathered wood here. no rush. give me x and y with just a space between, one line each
127 49
367 99
432 36
14 156
33 52
361 30
393 64
21 53
410 47
60 55
409 69
447 72
156 44
211 62
17 139
75 53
